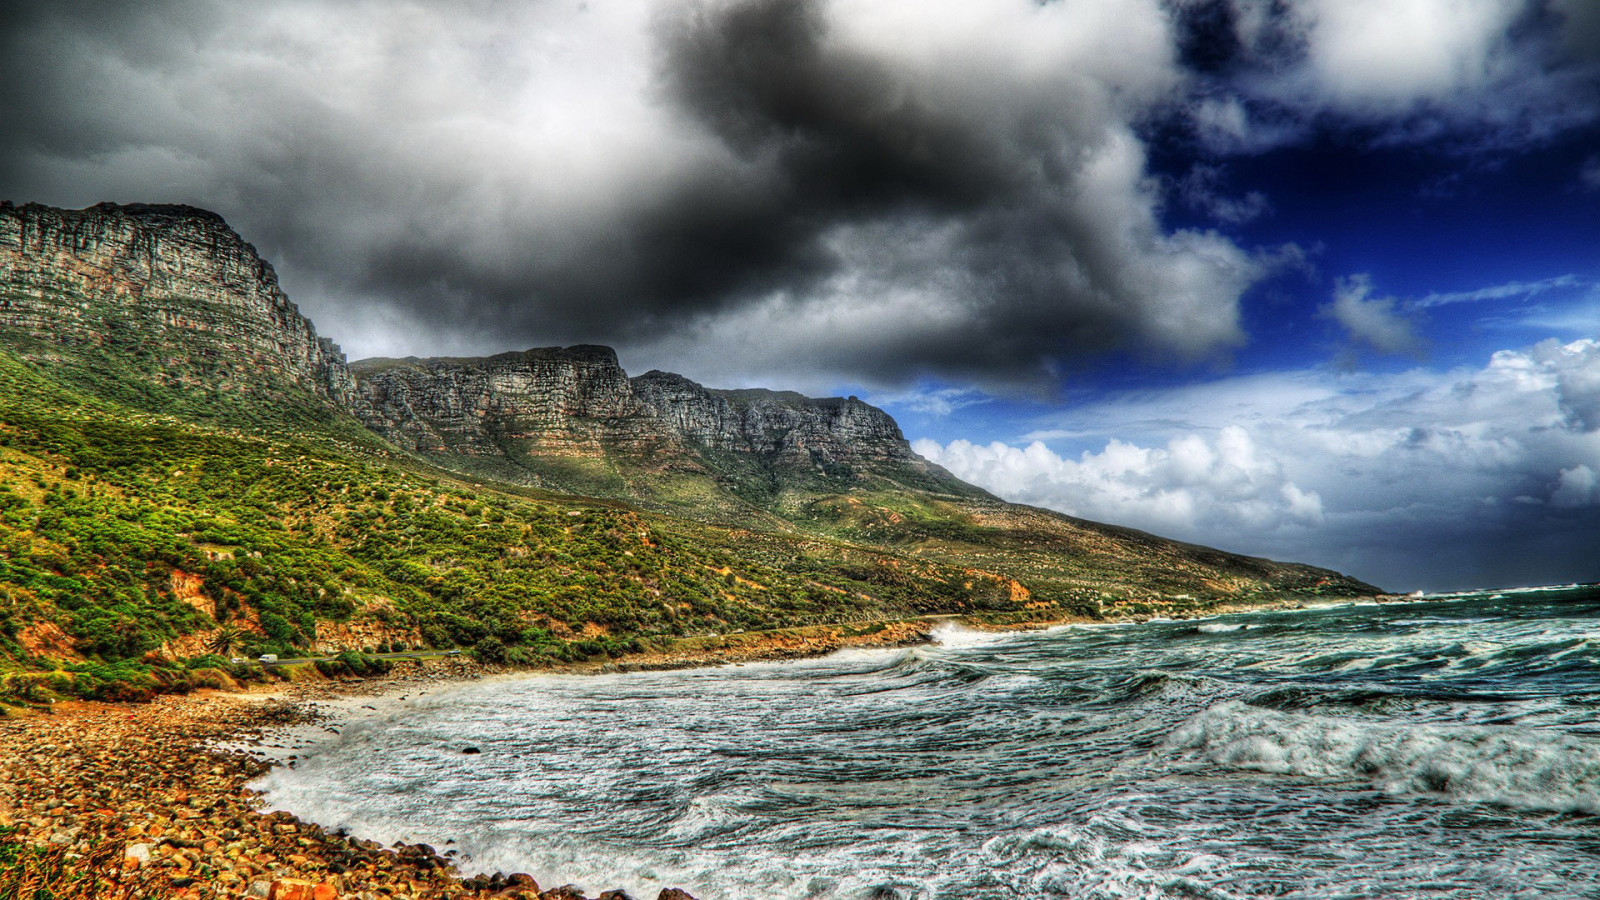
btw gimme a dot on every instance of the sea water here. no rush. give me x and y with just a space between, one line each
1448 748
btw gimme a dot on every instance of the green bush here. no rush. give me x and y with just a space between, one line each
491 651
351 664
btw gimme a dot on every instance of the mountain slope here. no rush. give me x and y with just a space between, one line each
123 532
163 307
571 420
184 464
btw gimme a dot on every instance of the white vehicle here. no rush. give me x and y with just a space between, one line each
268 658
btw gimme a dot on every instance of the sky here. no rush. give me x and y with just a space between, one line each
1310 279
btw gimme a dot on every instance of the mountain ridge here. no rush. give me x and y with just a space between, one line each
88 280
184 455
579 404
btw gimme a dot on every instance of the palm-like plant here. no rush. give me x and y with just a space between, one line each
223 642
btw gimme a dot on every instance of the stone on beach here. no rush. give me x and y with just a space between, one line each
145 789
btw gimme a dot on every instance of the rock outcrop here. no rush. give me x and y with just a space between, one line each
576 403
573 401
170 292
782 426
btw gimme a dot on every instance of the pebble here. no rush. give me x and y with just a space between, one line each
137 785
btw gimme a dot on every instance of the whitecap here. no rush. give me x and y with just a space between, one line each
1524 768
957 637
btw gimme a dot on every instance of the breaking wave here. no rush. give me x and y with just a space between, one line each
1433 750
1522 768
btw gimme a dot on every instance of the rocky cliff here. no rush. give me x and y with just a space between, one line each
783 426
577 404
168 294
573 401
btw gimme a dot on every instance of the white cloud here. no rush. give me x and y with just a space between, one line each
1414 70
931 401
1577 371
1373 321
1589 174
1418 479
1576 487
1193 484
1521 290
1390 54
1201 189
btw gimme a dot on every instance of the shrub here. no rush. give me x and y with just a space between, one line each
352 664
32 872
491 651
26 687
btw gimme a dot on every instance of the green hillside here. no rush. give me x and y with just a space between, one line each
124 533
129 539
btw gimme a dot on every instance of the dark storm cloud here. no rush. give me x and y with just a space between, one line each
431 177
843 189
848 136
1047 241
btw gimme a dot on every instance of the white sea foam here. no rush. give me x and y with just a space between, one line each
994 766
1112 855
957 637
1525 768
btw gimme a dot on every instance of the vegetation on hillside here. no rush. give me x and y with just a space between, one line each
175 493
125 533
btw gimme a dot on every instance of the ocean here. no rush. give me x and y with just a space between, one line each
1439 749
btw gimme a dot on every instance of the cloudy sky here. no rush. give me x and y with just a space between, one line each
1314 279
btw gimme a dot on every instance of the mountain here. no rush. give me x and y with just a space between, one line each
185 464
164 306
571 419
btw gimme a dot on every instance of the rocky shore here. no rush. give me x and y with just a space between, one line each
138 800
142 800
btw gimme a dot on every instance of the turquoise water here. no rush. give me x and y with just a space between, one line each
1428 750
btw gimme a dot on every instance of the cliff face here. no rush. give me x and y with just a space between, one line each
168 308
577 403
172 290
783 426
574 401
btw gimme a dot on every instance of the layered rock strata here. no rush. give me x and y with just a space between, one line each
171 286
569 401
577 402
779 425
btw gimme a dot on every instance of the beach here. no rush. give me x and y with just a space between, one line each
155 797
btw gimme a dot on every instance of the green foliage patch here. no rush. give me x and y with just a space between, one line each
123 533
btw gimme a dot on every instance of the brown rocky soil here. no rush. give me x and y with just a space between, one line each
138 796
133 795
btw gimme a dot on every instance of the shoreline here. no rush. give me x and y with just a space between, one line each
153 799
156 795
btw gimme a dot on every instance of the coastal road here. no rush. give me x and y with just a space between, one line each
404 654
